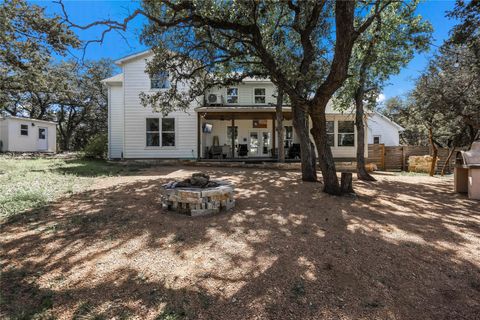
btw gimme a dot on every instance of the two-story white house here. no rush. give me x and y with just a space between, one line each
228 123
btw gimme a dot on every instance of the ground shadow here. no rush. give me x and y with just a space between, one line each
398 250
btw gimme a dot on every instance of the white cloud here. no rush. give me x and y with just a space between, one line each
381 97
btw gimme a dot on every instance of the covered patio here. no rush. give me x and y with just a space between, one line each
246 132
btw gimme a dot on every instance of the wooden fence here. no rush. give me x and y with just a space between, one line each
396 158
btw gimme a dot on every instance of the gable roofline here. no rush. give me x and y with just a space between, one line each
26 119
116 79
399 127
133 56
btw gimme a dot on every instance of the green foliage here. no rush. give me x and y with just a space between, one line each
382 51
97 147
28 38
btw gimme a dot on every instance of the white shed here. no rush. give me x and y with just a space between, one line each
27 135
383 130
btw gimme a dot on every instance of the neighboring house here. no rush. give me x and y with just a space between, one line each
27 135
229 122
382 130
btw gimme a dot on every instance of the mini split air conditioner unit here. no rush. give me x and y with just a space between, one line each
214 99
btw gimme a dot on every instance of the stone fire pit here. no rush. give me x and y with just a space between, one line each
197 196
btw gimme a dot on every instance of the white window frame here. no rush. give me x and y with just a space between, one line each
345 133
21 130
174 132
153 131
379 139
334 133
229 96
264 96
162 75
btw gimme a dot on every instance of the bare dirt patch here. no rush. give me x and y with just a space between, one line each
404 248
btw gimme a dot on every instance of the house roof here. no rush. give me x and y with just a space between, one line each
27 119
393 123
115 79
133 56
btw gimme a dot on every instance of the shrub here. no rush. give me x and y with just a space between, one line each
97 147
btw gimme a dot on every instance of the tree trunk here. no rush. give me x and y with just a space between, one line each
300 123
450 154
346 183
362 173
434 153
325 157
280 128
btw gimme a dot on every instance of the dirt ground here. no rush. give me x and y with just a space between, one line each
406 247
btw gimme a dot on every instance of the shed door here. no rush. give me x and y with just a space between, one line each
42 139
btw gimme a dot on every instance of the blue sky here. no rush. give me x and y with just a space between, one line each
115 46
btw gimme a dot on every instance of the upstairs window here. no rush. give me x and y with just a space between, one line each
168 132
259 95
160 80
24 129
376 139
346 134
331 133
153 132
232 95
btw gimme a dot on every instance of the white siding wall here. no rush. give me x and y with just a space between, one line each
387 131
115 122
19 143
135 115
246 93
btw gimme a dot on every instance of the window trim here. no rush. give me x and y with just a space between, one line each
338 133
160 131
379 139
21 130
166 79
174 133
264 95
229 96
152 131
334 133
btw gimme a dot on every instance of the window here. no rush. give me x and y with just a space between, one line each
24 129
160 80
376 139
42 133
346 133
259 95
331 133
232 95
153 133
229 134
288 136
168 132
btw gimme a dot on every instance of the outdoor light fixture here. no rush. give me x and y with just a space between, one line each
457 63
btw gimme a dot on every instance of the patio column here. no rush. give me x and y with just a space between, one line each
199 136
233 137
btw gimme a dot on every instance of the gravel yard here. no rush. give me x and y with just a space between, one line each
406 247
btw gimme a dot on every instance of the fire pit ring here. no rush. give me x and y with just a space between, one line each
197 196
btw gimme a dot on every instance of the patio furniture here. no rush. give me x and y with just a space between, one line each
294 151
242 150
216 151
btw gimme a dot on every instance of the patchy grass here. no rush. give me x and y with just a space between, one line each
32 183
